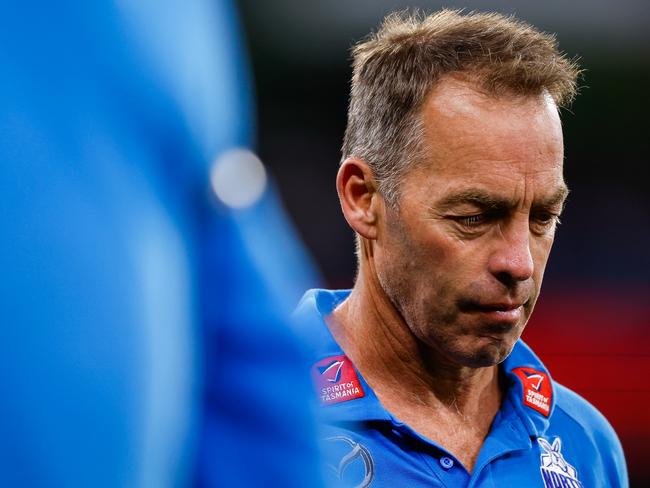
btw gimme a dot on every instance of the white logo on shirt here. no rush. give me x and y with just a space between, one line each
556 472
357 454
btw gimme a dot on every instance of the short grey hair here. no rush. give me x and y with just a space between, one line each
395 68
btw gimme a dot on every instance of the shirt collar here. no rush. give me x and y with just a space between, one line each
530 388
523 369
309 319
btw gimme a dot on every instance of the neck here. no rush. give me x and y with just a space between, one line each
393 361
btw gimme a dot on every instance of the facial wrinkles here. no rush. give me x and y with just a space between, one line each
396 275
509 150
457 117
509 162
411 296
480 286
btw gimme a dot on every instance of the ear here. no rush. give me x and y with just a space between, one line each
358 195
557 444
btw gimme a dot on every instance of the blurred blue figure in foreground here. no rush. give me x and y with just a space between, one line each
146 266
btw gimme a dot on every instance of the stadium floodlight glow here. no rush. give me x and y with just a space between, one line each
238 178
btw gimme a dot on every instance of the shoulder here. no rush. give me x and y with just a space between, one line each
319 302
584 415
586 439
576 406
582 412
309 322
314 306
576 416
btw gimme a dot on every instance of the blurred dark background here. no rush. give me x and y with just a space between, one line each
592 324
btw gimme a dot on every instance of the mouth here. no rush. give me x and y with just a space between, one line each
506 313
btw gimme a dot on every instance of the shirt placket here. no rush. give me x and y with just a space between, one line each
445 469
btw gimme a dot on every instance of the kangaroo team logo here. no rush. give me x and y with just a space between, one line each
336 380
538 392
356 467
556 472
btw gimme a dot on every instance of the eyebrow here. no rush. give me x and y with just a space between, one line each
556 199
485 200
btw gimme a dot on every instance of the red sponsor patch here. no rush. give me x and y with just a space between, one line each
538 393
336 380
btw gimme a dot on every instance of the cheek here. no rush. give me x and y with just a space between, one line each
432 262
457 262
443 268
425 267
540 251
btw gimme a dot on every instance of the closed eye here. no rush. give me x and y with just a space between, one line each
544 222
479 219
472 220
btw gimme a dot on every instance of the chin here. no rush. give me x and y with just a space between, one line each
485 355
484 359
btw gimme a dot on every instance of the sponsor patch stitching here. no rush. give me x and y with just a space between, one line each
336 380
538 392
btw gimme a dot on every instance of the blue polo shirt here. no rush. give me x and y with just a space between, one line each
543 436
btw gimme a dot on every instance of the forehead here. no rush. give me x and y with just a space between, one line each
505 144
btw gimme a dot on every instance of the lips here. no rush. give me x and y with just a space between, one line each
504 312
498 307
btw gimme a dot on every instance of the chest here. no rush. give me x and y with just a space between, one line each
461 437
383 454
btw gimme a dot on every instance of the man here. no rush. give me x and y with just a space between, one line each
452 180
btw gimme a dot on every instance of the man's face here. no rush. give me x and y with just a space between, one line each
463 256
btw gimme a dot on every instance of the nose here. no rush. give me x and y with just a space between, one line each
511 261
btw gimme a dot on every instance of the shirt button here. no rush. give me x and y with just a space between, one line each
446 462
